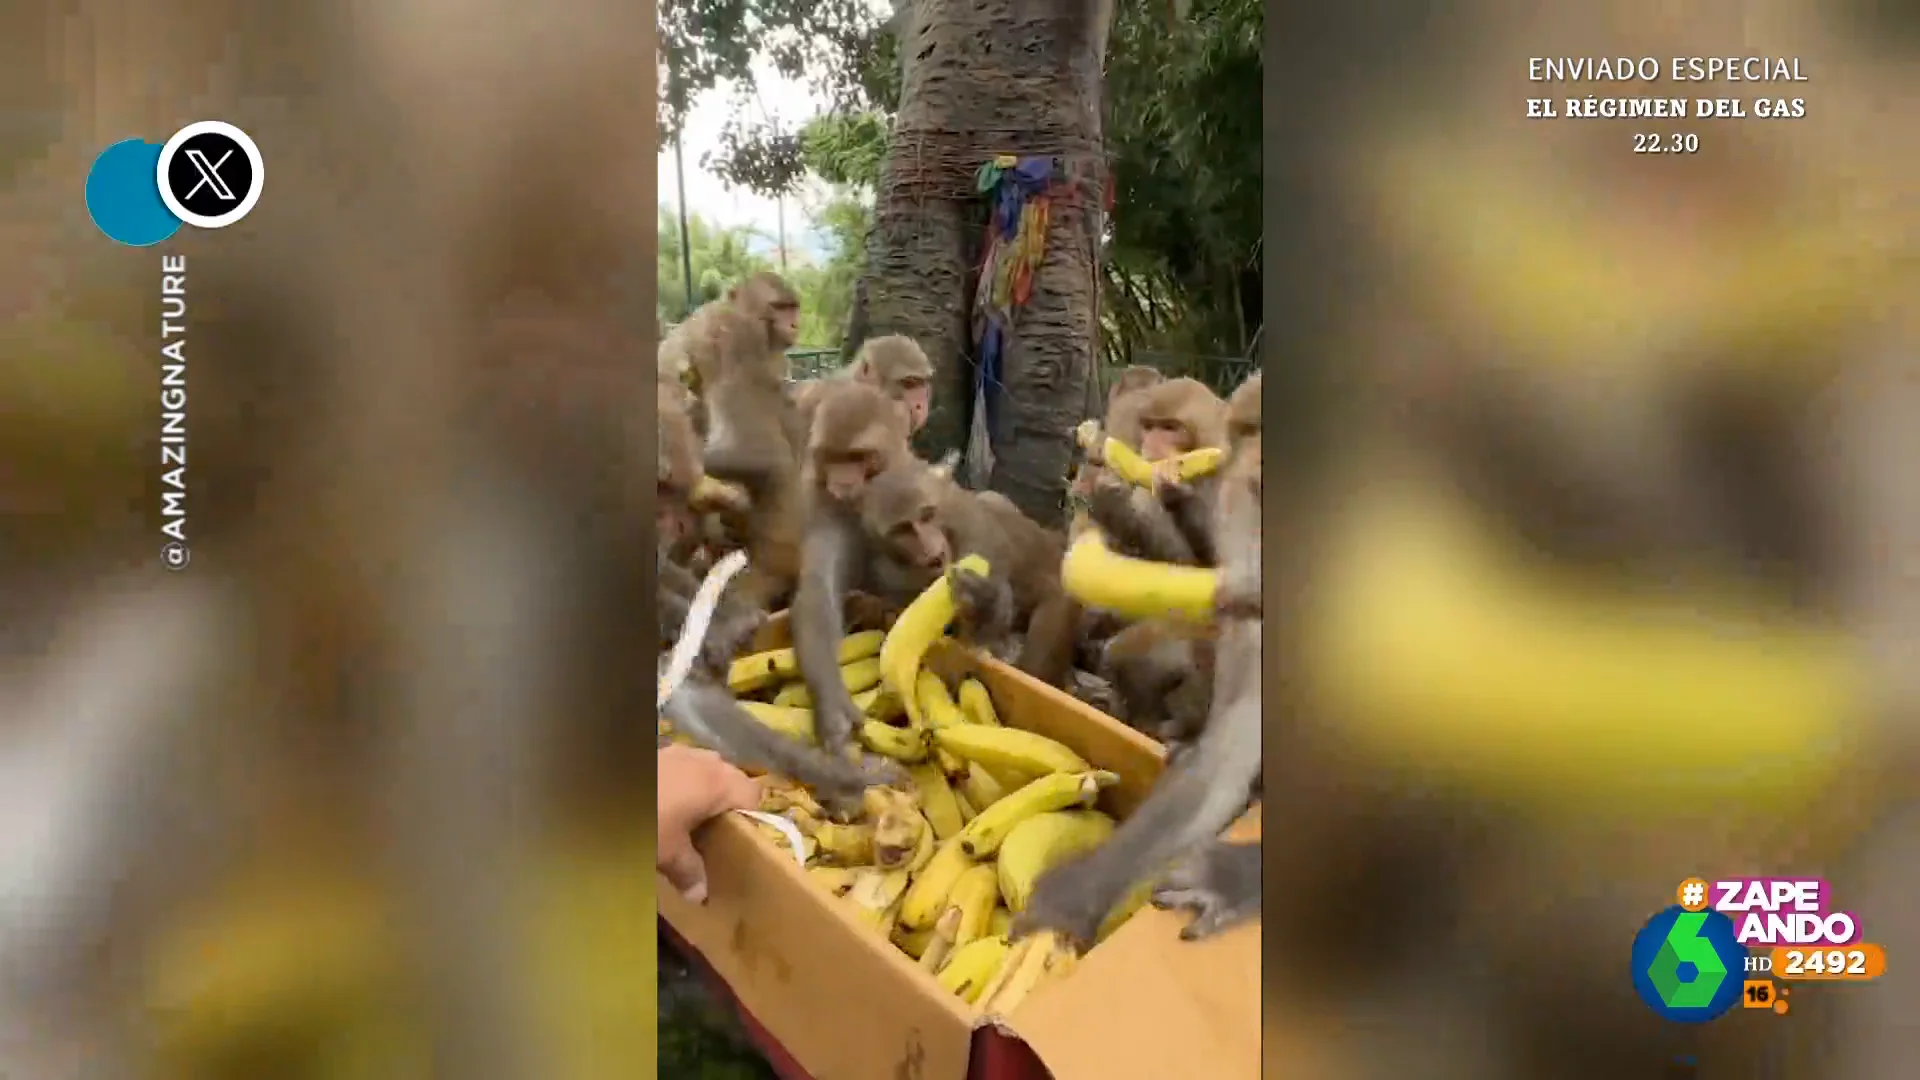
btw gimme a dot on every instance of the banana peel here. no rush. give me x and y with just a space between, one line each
1135 588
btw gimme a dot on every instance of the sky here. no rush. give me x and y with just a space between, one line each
790 102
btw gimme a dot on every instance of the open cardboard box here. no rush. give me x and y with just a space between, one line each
843 1004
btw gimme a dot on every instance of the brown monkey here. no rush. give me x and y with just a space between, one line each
1122 421
896 364
1161 671
1200 795
1174 416
763 297
857 433
767 296
918 521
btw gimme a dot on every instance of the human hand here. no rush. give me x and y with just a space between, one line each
695 786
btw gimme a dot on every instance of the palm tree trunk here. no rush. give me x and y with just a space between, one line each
987 77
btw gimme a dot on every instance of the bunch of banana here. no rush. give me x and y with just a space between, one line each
941 869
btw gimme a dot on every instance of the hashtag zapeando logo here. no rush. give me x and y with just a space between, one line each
1687 965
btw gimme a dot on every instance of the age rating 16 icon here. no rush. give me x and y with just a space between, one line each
209 175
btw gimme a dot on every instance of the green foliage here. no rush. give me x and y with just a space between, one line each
835 44
845 149
722 256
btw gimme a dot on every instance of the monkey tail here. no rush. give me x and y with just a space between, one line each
699 616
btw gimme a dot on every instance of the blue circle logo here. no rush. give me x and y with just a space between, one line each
1688 966
123 194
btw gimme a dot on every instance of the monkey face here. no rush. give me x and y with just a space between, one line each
916 394
783 323
1162 438
919 540
845 476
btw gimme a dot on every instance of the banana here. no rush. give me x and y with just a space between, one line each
713 493
967 812
861 674
794 695
1032 961
974 896
935 703
1135 588
923 850
1009 748
915 631
793 723
907 744
940 942
1057 791
778 797
971 967
879 703
761 670
953 766
912 942
835 879
875 898
1042 841
976 704
1000 923
1128 465
843 845
927 896
980 788
937 800
899 831
860 646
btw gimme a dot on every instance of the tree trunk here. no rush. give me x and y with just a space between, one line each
980 78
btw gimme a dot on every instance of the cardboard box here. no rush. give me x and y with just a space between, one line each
842 1004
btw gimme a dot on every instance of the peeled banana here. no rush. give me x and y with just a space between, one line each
1008 748
1135 588
915 631
1056 791
1041 842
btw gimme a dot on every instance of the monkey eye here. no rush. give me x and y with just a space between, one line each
926 514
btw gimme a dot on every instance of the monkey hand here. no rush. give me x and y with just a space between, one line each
982 604
727 635
1072 900
1220 884
1174 492
865 611
1166 474
1237 596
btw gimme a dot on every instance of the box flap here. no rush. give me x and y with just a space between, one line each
781 946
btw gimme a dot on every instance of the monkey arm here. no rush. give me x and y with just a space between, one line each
1192 803
830 554
1191 507
1053 631
1138 526
708 714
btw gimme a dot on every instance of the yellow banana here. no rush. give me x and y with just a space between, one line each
875 898
793 723
1000 923
936 705
1128 465
860 646
898 836
761 670
967 812
980 788
915 631
1032 961
794 695
835 879
971 967
713 493
927 896
940 942
912 942
953 766
908 744
780 800
1135 588
861 674
844 845
879 703
974 896
923 850
976 704
1041 842
1009 748
1056 791
937 800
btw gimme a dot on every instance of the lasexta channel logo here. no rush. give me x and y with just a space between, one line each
208 175
1688 965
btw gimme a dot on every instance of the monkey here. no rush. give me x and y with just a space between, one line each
1166 524
917 519
764 297
767 295
896 364
1161 671
1122 421
857 433
1200 794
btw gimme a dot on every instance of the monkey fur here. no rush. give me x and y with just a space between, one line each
917 519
